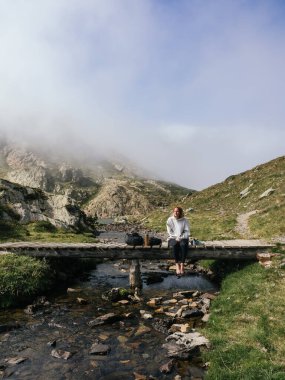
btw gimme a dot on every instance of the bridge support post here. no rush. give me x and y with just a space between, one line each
135 275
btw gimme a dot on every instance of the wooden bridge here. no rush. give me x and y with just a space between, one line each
227 249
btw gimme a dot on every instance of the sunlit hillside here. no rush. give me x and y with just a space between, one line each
247 205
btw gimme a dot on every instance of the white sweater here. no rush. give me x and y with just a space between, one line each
178 228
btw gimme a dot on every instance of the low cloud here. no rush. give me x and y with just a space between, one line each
192 91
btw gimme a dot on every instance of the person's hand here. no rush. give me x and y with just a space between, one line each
178 239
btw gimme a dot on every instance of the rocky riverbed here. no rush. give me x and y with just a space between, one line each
82 333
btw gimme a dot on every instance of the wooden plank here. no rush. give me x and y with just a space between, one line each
201 253
244 250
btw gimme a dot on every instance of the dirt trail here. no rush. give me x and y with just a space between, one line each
242 224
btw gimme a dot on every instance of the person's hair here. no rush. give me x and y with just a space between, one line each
181 212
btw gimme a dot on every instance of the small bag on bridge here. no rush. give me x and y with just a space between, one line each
154 241
134 239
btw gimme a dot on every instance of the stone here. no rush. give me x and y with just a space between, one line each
61 354
167 367
82 301
180 311
139 376
172 301
170 314
185 328
174 328
108 318
244 193
266 193
206 302
31 309
182 345
56 325
265 259
16 360
162 325
103 336
147 316
99 349
116 294
130 315
184 301
142 329
153 302
122 339
209 296
94 363
205 318
123 302
161 310
72 290
52 343
193 313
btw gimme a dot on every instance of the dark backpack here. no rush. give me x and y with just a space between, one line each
154 241
134 239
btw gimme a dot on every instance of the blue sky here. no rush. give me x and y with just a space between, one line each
193 90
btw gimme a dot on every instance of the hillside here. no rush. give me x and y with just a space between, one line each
101 188
247 205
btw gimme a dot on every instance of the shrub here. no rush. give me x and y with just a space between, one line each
21 278
44 226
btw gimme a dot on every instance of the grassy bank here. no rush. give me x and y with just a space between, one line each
42 231
246 326
21 278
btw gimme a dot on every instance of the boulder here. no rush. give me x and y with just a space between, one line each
105 319
266 193
99 349
182 345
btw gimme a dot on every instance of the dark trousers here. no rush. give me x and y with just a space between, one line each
179 249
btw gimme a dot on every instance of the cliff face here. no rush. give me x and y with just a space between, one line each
26 205
29 169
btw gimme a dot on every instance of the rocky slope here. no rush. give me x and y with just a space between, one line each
25 205
102 189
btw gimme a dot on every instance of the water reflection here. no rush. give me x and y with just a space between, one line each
115 275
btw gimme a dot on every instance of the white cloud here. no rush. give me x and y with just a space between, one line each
106 73
177 133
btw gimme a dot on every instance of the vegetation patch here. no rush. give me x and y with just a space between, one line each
213 212
21 278
43 226
246 326
10 231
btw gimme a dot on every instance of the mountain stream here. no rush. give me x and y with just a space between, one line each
55 341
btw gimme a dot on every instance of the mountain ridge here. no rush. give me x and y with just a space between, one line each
102 189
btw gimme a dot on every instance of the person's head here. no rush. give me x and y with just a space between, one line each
178 212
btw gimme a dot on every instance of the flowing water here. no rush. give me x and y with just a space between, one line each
63 325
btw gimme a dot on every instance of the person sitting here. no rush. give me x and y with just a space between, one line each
178 230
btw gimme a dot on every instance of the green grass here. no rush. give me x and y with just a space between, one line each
22 278
270 222
246 326
216 208
42 231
